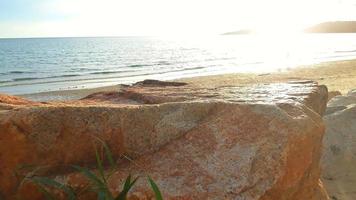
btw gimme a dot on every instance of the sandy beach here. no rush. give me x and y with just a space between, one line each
337 76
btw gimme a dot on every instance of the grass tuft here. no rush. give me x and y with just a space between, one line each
98 182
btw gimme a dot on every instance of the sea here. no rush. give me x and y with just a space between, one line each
32 65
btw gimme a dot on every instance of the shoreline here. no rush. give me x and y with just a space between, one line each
336 75
63 95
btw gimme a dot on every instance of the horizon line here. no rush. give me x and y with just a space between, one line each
54 37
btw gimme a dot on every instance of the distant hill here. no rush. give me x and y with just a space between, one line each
333 27
240 32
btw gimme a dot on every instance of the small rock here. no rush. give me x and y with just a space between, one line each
332 94
352 93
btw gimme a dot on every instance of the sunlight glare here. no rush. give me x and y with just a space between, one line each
184 17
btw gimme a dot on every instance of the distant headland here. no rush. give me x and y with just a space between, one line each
240 32
325 27
333 27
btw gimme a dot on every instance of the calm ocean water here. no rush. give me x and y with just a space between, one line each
36 65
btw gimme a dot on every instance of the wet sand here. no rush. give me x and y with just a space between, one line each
338 75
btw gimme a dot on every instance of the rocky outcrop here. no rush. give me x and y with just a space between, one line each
252 142
339 154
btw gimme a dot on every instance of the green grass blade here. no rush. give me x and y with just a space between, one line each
100 185
45 181
107 152
92 177
22 178
155 189
101 196
123 193
127 182
47 195
127 187
100 166
133 183
109 155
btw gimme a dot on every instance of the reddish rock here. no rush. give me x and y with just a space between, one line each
13 100
256 142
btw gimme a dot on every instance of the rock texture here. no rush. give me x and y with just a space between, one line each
256 142
339 155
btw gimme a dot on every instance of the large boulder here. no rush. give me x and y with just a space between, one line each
339 154
252 142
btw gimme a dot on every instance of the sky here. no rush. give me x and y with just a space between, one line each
66 18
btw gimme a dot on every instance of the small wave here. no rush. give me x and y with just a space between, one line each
81 69
34 78
5 81
329 57
138 65
146 65
163 63
349 51
25 79
17 72
63 76
106 72
47 77
98 79
112 72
